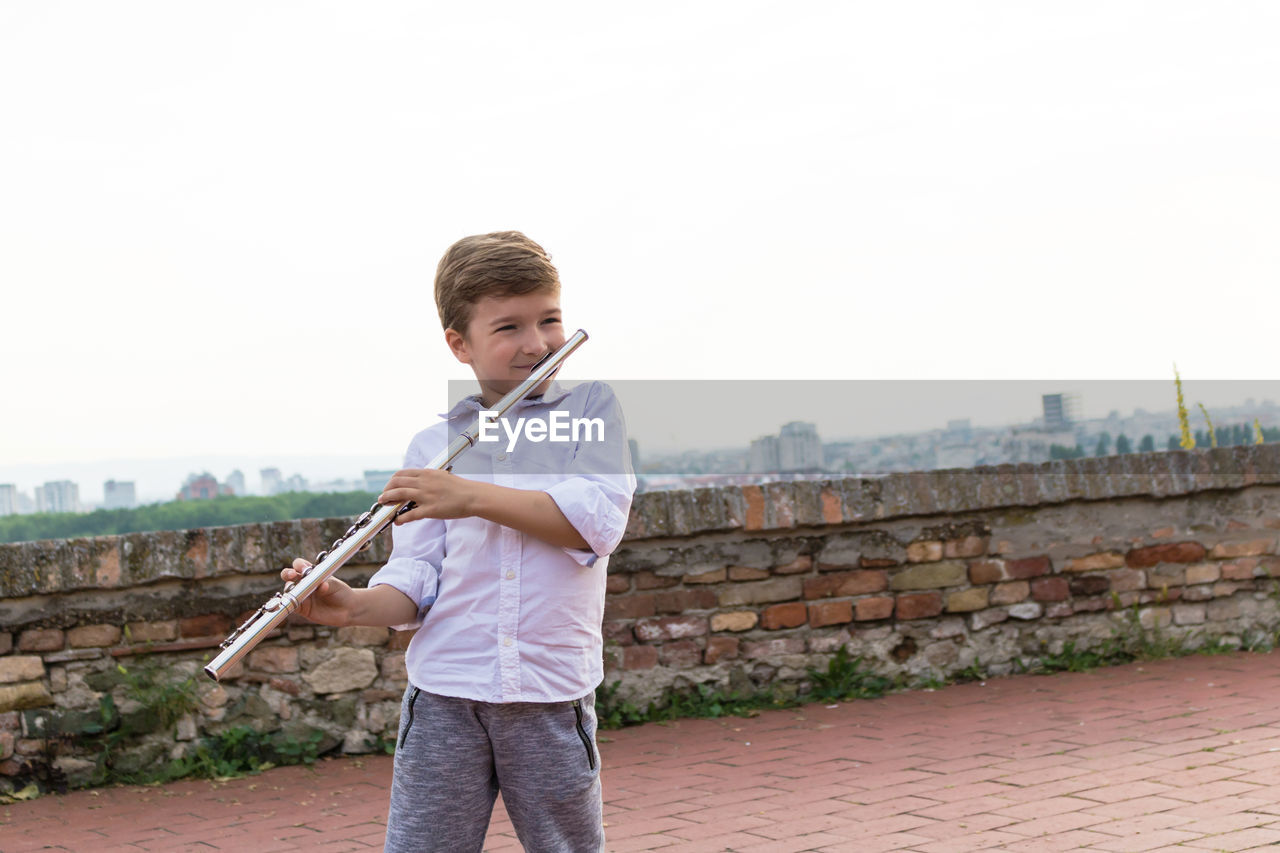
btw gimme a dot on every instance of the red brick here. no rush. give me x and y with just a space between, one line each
790 615
918 605
634 606
880 607
838 585
41 640
832 509
969 546
285 685
825 613
639 657
1050 589
746 573
617 584
755 507
648 580
1254 548
1011 592
619 633
800 564
152 632
1027 567
1240 570
670 628
680 600
208 625
987 571
1172 552
681 654
93 636
757 649
720 648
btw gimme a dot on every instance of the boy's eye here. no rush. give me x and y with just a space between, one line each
505 328
551 320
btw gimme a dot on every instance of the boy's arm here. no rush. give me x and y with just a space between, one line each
440 494
338 604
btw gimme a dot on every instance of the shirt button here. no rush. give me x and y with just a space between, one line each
506 641
511 576
502 457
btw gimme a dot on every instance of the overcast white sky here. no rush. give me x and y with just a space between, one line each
219 222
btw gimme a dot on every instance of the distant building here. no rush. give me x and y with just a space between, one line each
764 458
8 499
58 496
295 483
272 482
201 487
1060 411
118 494
799 448
375 480
235 482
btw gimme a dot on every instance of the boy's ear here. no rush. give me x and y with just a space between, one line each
457 345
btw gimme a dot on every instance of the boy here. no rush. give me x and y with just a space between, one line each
502 563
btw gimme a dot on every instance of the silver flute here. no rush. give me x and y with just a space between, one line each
358 537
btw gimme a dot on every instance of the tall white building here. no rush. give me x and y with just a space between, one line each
8 499
58 496
764 455
118 494
272 482
799 448
235 481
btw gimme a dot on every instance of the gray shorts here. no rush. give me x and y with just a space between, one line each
455 755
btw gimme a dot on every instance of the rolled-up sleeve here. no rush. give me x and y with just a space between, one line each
417 552
595 495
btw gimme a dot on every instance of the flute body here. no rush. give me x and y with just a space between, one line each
277 609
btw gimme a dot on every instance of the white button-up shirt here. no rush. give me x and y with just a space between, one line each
503 616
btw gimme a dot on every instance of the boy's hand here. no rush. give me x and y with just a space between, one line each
329 605
435 493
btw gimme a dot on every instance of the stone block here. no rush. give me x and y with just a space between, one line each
924 552
967 600
651 580
634 606
1050 589
773 647
363 635
986 618
274 659
681 654
1089 585
21 668
1251 548
919 605
1010 593
41 640
1173 552
987 571
93 636
790 615
746 573
1026 610
968 546
682 600
761 592
1127 580
639 657
824 613
713 576
1026 568
930 576
1222 609
720 648
877 607
24 696
348 669
844 584
666 628
152 632
799 565
1204 573
1188 614
1095 562
738 620
208 625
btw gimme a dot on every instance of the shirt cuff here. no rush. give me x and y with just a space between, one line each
596 518
417 579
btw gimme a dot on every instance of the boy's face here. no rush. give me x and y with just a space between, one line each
507 335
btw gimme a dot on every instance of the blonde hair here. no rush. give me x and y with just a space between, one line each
503 263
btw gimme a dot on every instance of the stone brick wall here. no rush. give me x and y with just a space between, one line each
925 575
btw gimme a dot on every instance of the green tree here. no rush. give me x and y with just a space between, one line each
1148 444
1123 445
1104 445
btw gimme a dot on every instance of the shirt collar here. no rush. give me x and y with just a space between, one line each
554 394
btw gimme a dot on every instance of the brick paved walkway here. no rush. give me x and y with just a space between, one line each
1180 754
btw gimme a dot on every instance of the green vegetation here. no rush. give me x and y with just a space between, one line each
183 515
